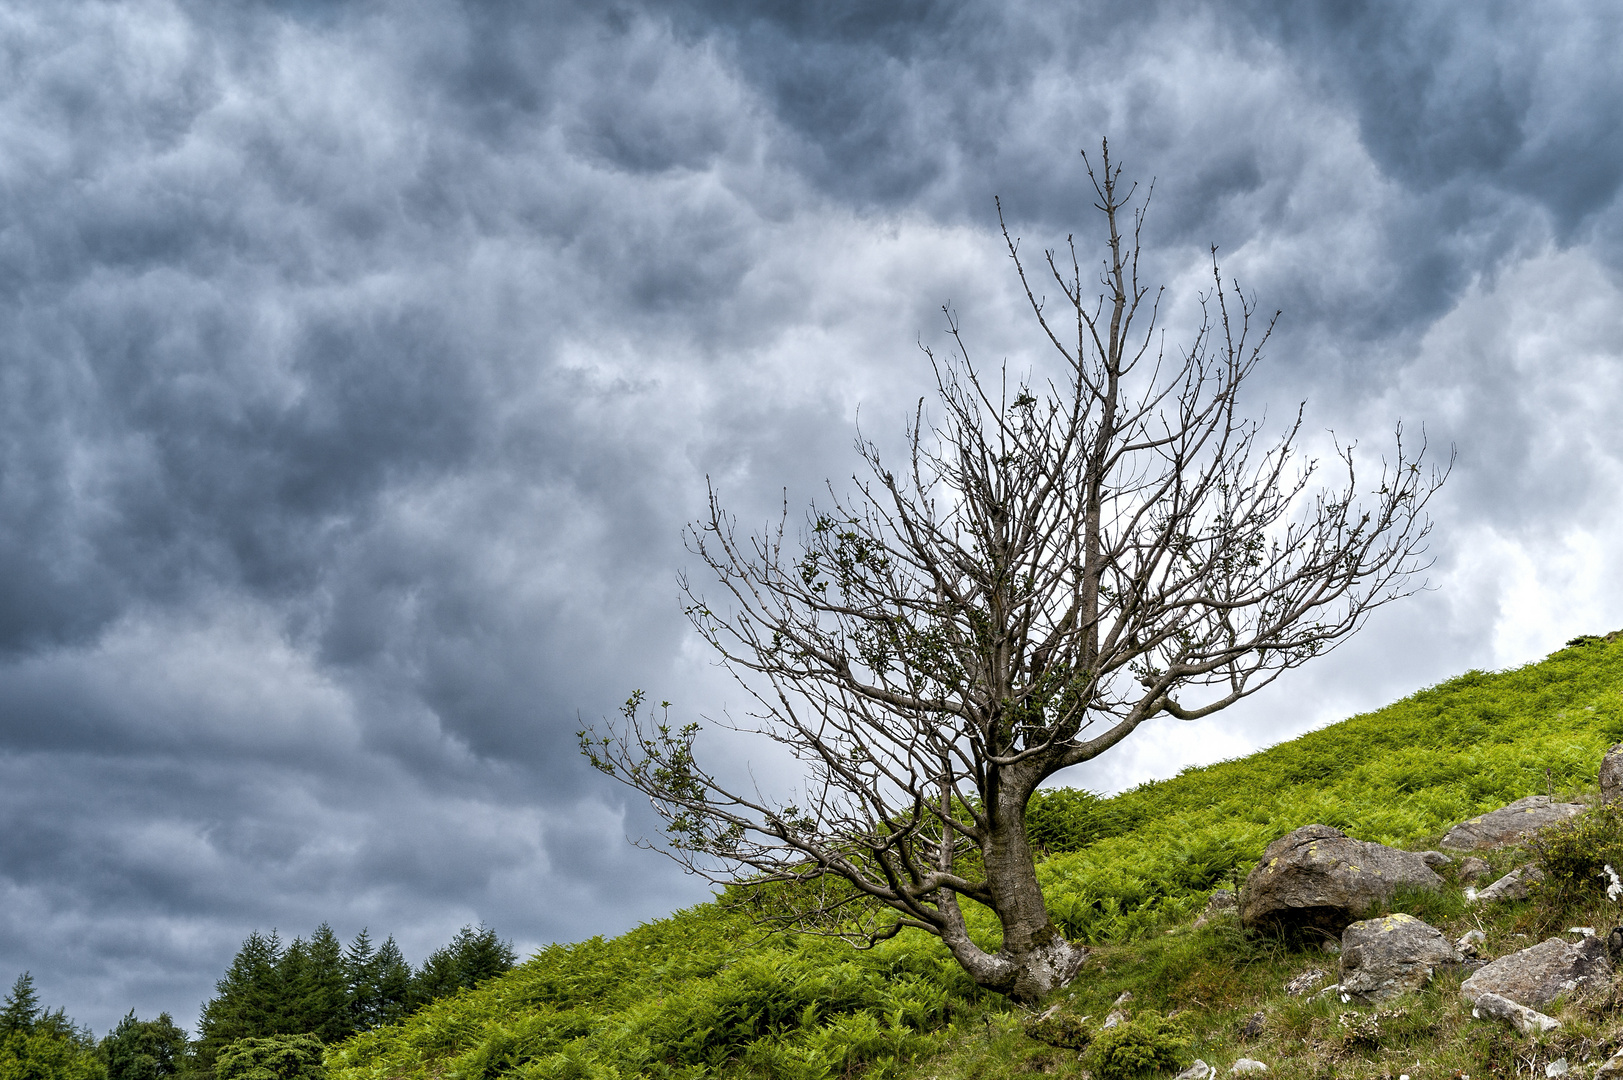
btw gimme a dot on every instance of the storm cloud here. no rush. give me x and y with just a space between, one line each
360 364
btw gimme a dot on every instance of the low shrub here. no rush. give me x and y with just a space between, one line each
274 1057
1581 858
1147 1044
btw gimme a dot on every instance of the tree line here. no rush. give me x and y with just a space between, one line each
274 999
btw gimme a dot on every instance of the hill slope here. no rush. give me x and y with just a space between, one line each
706 993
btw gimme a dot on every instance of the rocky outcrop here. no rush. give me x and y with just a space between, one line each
1538 975
1320 877
1611 775
1383 958
1525 1020
1513 886
1508 824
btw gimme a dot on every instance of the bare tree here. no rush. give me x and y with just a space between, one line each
1058 564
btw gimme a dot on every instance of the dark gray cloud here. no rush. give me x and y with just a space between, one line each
360 363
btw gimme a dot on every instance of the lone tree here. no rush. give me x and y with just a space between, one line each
1056 564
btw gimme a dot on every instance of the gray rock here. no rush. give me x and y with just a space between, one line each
1520 1017
1508 824
1113 1018
1473 869
1435 859
1198 1071
1317 876
1611 774
1466 947
1221 903
1247 1065
1611 1068
1513 886
1383 958
1537 976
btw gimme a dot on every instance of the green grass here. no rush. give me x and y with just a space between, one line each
706 993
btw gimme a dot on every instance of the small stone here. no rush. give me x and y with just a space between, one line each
1435 859
1473 869
1513 886
1520 1017
1253 1025
1466 947
1611 1068
1558 1067
1247 1065
1124 997
1198 1071
1331 947
1586 931
1305 983
1114 1017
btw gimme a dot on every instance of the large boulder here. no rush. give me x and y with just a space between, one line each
1320 877
1382 958
1538 975
1611 774
1508 824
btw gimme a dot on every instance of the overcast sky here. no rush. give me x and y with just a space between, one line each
361 362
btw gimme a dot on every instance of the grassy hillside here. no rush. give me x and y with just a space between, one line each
706 993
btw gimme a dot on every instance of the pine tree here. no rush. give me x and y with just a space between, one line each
21 1010
250 1001
393 978
473 956
319 992
362 979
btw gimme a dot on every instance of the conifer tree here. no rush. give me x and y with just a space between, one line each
250 1001
473 956
317 988
362 1006
392 976
21 1008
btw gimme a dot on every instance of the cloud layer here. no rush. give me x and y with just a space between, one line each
361 363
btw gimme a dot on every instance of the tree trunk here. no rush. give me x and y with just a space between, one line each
1035 958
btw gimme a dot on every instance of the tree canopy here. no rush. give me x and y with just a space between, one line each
1055 563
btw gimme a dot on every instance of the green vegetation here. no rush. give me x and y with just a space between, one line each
275 1010
275 1057
38 1044
321 989
707 992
